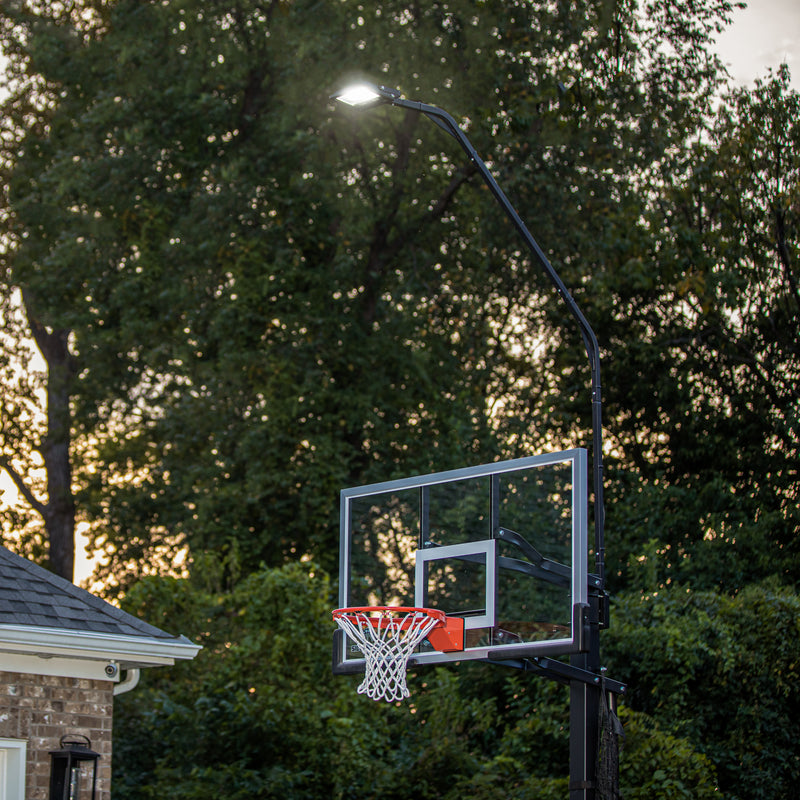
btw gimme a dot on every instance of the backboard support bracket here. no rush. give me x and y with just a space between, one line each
563 673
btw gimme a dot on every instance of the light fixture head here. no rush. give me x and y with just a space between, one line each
365 95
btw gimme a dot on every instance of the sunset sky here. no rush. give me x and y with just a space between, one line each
763 35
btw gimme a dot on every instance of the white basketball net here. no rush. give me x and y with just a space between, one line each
387 638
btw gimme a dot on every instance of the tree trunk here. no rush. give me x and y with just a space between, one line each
59 511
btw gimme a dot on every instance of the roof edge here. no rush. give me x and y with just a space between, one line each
129 650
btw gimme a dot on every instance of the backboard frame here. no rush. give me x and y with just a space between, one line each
578 568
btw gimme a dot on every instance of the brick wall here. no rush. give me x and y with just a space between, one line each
42 708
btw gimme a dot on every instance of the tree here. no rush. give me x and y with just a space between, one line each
36 426
264 306
214 182
713 435
34 439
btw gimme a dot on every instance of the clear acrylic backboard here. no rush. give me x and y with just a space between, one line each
503 545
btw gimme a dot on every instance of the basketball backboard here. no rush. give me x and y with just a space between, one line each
503 545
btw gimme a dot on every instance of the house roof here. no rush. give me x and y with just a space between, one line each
32 596
46 616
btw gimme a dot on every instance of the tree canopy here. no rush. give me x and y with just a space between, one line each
265 299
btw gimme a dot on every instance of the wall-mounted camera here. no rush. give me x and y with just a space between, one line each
111 670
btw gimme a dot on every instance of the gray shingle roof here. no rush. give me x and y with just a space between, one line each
32 596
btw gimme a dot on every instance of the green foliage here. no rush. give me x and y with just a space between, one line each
721 672
249 314
656 765
703 382
267 308
259 714
245 711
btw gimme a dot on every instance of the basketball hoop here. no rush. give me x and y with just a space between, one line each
387 637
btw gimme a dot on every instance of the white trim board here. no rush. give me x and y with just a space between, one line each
128 651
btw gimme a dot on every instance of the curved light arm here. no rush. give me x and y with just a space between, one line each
366 95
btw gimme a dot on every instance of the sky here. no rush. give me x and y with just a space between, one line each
763 35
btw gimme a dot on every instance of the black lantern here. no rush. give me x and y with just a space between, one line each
73 769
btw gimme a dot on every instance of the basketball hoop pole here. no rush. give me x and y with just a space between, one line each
584 699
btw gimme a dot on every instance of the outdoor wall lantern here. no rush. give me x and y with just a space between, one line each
73 769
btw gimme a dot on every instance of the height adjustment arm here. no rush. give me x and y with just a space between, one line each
533 555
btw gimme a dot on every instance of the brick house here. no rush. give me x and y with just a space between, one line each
64 654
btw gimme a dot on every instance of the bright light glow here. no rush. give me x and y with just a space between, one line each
359 95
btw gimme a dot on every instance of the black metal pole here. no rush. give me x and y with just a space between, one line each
447 123
584 715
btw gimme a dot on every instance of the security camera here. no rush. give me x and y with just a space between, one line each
112 670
